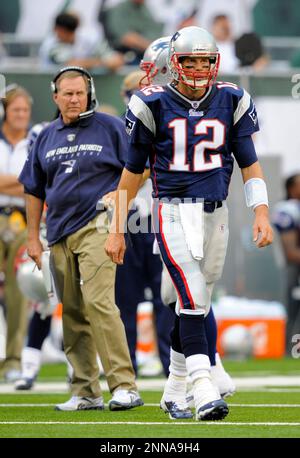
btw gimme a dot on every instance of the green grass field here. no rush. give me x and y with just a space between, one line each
265 412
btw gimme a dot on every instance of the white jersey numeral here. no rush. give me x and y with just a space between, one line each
218 138
180 148
152 89
179 145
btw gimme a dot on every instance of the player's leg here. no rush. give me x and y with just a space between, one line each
192 305
163 315
219 376
215 246
128 298
38 330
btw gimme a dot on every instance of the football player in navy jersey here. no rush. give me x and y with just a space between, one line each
154 64
286 219
191 130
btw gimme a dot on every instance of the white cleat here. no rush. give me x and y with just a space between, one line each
208 403
177 409
81 403
222 379
212 411
124 400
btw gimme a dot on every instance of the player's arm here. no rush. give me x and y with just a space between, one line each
128 187
256 197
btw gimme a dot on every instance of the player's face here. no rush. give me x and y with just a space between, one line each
71 98
195 64
18 113
196 69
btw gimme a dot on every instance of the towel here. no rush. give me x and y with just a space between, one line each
155 249
191 217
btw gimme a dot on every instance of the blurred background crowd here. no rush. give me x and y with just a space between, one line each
259 42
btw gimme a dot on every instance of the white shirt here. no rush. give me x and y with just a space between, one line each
54 52
12 159
228 60
238 11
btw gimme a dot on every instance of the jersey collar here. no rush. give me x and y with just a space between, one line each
194 104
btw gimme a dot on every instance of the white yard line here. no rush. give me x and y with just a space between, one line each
150 423
273 383
157 405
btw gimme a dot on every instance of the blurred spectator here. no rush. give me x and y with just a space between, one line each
130 27
13 154
34 26
222 32
286 218
246 51
250 52
174 14
66 45
238 11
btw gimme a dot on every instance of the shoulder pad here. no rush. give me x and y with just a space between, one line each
150 93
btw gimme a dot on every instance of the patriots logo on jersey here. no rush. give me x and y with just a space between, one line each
71 137
70 165
253 115
129 125
193 112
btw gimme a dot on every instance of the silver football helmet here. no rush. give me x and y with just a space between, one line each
38 285
154 63
193 42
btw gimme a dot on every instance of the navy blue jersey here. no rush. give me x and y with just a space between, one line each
72 166
191 144
286 216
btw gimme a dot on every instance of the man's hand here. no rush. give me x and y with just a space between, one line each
262 230
109 199
115 247
35 249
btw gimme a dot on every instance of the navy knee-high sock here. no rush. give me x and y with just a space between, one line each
192 335
175 336
211 335
38 330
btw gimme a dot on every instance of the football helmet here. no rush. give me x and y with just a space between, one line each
193 42
154 63
38 285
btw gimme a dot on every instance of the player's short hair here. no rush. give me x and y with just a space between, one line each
68 21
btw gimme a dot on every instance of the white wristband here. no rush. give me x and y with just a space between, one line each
256 193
